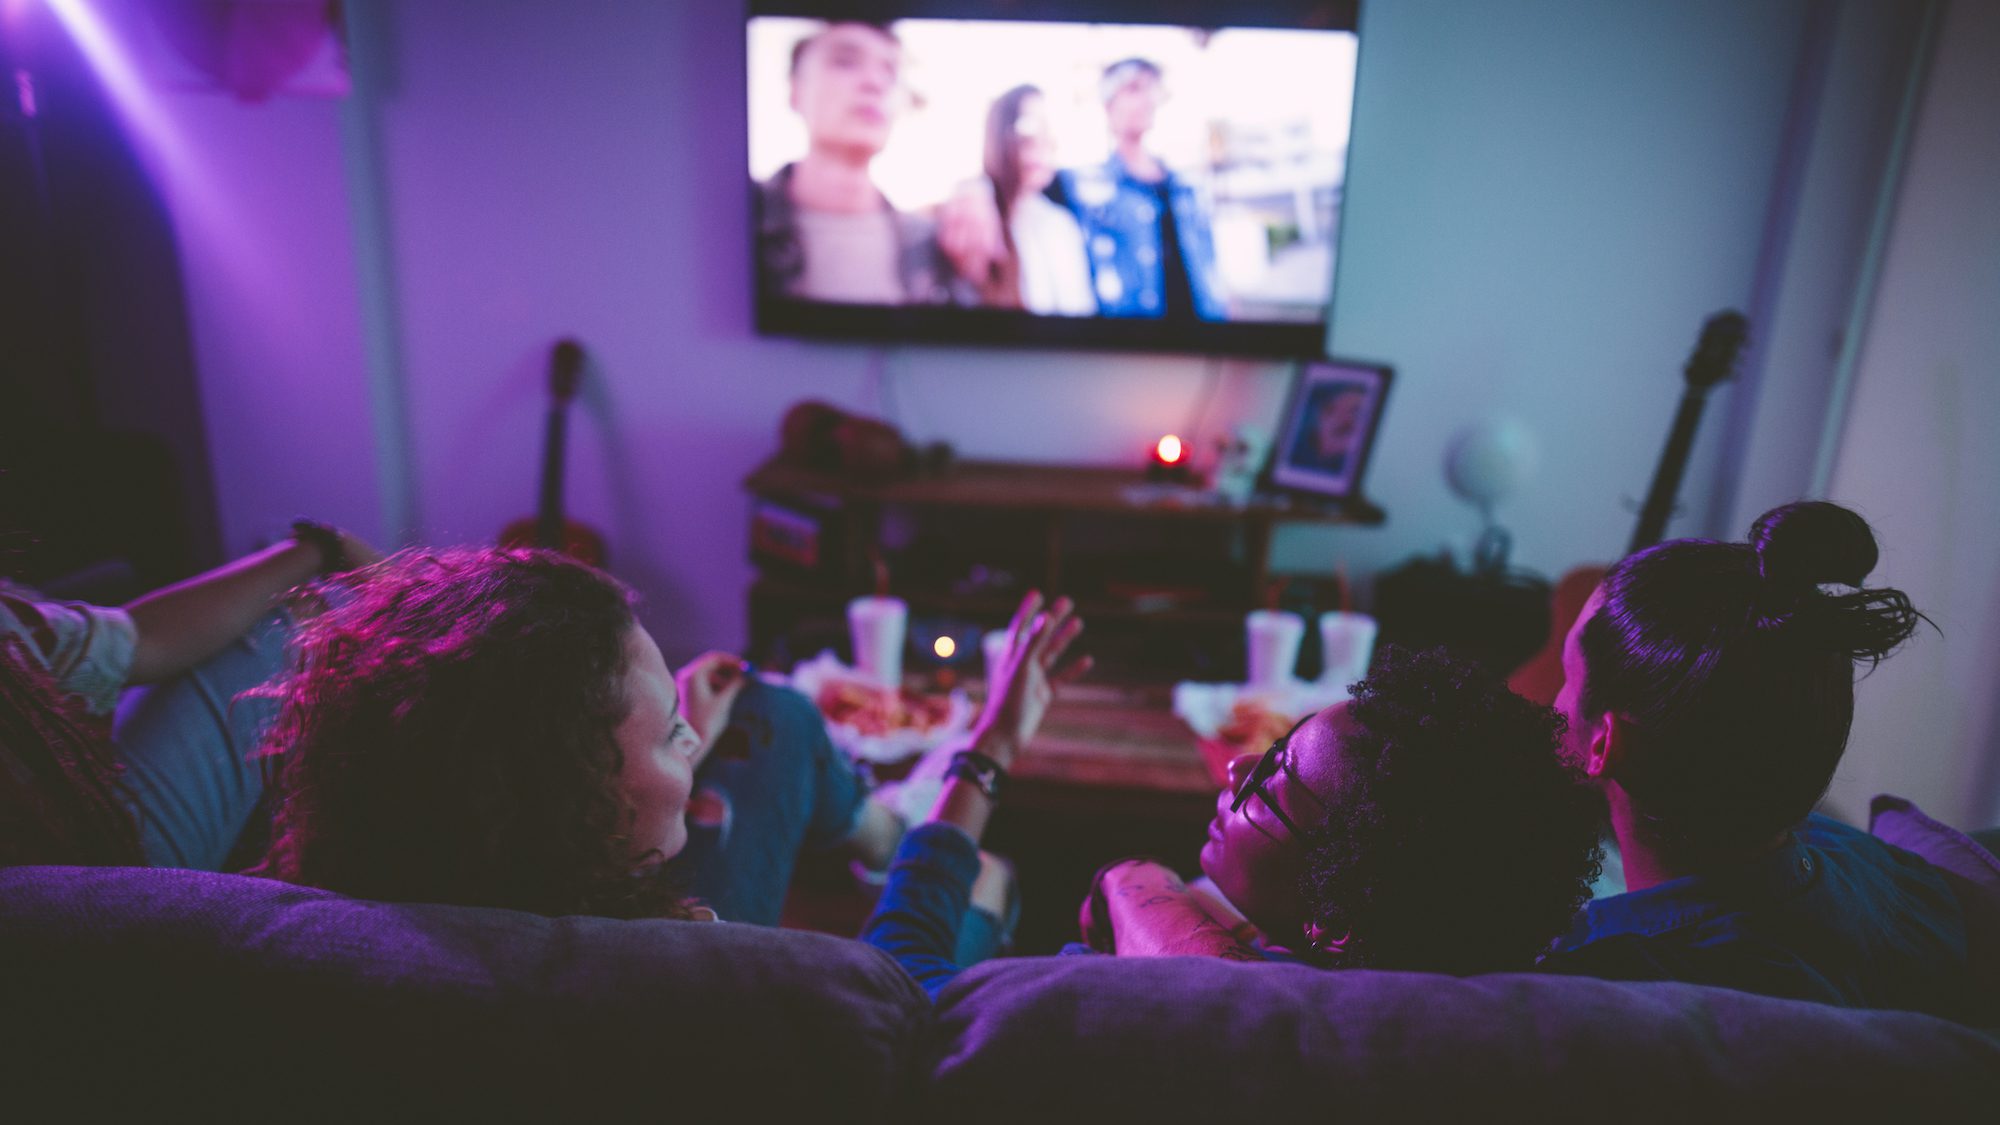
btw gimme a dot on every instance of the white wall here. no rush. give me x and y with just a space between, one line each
1921 452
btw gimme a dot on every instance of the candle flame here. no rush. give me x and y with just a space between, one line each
945 648
1170 449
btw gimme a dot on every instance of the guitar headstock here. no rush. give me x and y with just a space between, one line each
565 369
1714 358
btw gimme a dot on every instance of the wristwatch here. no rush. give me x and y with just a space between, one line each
332 554
979 770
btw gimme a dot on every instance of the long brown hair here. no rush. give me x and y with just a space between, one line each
60 801
445 734
1003 169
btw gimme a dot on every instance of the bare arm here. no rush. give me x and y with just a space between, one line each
1153 914
186 623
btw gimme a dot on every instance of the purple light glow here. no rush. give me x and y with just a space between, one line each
159 139
24 92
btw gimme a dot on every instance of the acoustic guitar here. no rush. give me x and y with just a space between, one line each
549 527
1713 362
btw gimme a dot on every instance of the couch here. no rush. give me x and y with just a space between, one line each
134 994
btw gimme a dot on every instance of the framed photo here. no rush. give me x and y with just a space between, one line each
1329 428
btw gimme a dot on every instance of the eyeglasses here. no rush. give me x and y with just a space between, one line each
1266 768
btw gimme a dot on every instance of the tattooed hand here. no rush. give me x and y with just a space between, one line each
1141 907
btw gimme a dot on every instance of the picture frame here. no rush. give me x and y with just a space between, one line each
1328 429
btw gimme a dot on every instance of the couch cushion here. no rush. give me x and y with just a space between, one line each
133 988
1098 1039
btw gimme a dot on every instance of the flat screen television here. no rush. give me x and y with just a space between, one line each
1162 176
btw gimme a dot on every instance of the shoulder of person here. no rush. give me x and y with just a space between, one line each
773 196
1093 186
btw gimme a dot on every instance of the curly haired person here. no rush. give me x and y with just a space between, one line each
495 728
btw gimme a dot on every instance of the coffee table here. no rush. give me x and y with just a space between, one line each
1115 742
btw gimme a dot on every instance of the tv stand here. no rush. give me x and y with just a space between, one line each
1159 571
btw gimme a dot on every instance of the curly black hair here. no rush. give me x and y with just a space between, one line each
446 734
1466 844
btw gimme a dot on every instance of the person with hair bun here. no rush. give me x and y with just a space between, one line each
1709 688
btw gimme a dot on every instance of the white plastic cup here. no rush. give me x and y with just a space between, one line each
993 646
878 626
1348 640
1271 637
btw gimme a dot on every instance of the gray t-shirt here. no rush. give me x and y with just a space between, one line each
850 259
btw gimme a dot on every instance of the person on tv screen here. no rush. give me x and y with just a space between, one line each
1152 253
825 232
1043 268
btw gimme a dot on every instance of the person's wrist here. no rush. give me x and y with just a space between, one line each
994 742
324 539
979 771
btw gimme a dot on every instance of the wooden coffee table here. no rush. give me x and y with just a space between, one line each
1115 740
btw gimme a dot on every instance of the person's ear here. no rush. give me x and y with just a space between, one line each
1604 753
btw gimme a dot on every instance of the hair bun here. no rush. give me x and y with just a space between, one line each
1812 542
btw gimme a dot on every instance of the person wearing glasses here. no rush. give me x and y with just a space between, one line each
1428 823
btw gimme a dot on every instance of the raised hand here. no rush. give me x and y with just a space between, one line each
709 685
1034 670
968 231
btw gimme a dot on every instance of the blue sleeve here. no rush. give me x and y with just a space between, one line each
924 903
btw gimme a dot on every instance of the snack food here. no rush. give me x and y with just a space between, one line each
1252 727
872 710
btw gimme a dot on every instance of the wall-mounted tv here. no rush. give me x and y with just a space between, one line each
1160 176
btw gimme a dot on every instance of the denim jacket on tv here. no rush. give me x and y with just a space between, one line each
1120 216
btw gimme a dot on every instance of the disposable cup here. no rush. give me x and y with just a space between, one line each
1348 641
877 626
1271 638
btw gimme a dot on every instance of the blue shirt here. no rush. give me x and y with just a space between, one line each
1125 221
917 919
1833 915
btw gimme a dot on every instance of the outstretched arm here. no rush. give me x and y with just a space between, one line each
186 623
930 883
1153 914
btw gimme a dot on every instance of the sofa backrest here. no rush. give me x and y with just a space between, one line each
1095 1039
125 989
134 992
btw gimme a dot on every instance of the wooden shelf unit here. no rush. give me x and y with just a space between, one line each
1049 507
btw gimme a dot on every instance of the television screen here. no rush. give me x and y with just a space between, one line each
1071 174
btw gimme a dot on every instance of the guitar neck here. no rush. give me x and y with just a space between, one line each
549 509
1659 506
